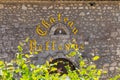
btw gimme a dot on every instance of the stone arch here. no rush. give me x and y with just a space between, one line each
56 28
61 65
60 31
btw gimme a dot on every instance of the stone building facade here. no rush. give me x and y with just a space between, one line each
96 24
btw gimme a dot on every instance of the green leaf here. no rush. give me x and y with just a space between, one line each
27 39
99 72
73 46
82 63
17 70
53 69
24 66
1 64
20 49
35 52
32 65
73 53
95 58
27 56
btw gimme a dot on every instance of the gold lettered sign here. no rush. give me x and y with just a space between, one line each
52 45
42 30
46 25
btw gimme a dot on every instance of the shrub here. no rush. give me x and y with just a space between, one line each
21 68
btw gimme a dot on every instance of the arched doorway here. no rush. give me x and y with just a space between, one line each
62 64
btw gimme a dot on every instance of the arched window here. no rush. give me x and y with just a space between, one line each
60 31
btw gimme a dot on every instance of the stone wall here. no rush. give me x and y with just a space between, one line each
98 29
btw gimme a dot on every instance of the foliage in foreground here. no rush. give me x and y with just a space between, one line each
21 68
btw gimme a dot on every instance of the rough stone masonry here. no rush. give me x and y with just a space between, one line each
98 24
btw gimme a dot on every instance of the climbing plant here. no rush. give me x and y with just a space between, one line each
21 68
